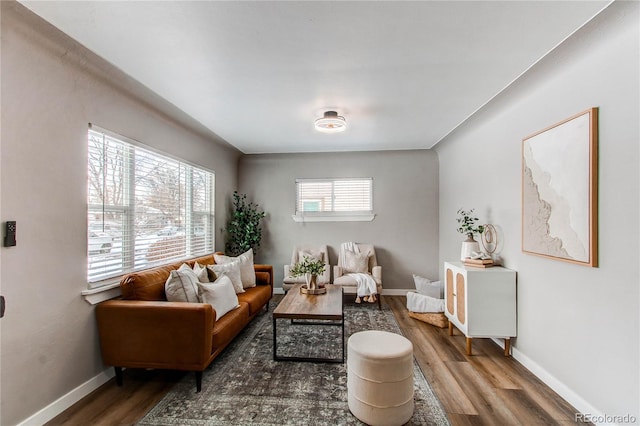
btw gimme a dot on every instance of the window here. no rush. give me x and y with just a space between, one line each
334 199
144 209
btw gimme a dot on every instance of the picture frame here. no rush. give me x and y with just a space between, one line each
560 190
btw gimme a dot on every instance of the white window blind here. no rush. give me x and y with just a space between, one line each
144 209
334 197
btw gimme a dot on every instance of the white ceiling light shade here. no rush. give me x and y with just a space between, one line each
331 123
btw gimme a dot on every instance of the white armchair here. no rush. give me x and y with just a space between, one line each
348 283
299 251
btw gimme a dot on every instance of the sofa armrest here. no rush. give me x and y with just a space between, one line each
264 275
376 271
145 334
287 268
337 272
325 278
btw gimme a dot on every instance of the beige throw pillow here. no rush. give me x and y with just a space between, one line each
231 270
317 255
201 273
219 294
356 262
182 285
247 271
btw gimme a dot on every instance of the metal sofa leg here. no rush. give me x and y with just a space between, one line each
118 375
198 381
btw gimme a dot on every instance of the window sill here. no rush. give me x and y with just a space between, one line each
96 295
368 217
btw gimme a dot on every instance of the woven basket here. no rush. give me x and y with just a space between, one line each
437 318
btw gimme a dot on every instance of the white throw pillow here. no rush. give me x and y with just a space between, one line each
429 288
247 271
201 272
356 262
182 285
417 302
231 270
220 294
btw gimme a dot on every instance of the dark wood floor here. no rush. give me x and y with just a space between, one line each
484 389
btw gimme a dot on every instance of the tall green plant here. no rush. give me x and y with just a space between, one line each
243 230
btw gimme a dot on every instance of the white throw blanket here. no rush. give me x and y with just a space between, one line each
366 284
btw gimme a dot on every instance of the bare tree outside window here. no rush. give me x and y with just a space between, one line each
143 208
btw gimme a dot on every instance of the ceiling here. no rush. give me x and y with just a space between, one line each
258 73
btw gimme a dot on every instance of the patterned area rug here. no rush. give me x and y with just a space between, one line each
244 386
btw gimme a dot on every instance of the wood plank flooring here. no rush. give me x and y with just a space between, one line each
484 389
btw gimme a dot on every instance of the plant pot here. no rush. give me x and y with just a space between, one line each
468 247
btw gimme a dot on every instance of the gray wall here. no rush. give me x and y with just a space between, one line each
51 89
405 197
577 326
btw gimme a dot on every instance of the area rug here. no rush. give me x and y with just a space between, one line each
244 386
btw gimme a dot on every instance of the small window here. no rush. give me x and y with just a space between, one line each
334 200
144 209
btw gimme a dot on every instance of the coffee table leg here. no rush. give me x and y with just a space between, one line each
343 338
275 348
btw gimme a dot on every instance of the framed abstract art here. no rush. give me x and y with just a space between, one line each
560 190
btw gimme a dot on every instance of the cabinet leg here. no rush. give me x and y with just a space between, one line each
507 346
468 345
450 329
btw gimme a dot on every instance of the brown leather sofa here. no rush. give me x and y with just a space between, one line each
144 330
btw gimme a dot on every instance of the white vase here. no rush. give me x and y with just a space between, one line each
469 246
311 280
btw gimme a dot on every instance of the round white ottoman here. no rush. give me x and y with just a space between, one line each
380 377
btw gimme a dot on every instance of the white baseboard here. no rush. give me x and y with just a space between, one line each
396 291
278 290
550 380
66 401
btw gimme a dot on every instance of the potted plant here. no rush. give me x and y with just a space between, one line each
243 230
310 267
467 225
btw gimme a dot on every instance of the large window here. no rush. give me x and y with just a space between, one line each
334 199
144 209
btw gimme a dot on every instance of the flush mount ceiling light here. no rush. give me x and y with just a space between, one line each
331 123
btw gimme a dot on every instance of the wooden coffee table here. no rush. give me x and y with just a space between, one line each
323 309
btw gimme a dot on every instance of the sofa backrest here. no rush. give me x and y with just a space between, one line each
149 283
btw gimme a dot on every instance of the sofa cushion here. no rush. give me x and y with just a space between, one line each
247 273
146 285
349 281
227 327
202 260
256 297
182 285
219 294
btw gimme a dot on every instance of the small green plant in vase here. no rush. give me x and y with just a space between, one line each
309 267
467 226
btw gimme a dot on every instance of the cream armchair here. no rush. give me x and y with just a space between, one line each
348 283
299 251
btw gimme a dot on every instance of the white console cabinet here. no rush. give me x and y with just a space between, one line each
481 302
